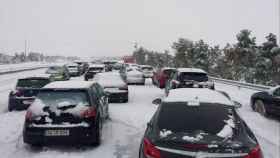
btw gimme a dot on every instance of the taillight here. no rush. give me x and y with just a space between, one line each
255 153
28 115
18 93
150 150
89 113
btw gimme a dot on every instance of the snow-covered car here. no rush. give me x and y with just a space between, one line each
134 76
58 73
188 78
26 90
73 69
94 69
198 123
147 70
267 102
82 65
113 83
66 112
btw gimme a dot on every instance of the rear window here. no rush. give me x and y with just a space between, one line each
63 98
96 69
32 83
147 68
72 66
178 117
54 70
186 76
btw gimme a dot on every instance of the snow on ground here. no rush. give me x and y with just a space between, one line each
21 66
267 130
123 132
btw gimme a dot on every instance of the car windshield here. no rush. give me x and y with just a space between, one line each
186 76
178 117
63 98
32 83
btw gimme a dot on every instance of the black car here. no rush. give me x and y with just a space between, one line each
113 83
188 78
267 102
68 112
25 91
198 126
92 70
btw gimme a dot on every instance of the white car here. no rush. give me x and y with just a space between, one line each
94 69
113 83
73 69
147 70
134 76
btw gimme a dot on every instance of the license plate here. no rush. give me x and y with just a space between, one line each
27 102
57 133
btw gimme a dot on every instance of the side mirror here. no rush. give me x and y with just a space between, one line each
237 104
157 101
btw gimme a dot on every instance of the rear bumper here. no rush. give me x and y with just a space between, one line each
74 73
77 135
118 97
19 103
134 80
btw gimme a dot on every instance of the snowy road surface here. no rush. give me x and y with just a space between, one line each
121 134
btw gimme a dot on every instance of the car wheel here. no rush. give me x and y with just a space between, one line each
260 107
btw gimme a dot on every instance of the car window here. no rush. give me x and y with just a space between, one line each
200 77
178 117
32 83
99 90
277 92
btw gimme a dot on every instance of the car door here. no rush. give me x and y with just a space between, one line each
97 100
103 99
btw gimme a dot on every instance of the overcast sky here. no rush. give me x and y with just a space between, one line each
110 27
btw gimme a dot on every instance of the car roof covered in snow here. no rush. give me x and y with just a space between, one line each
97 65
69 85
203 95
109 79
168 68
195 70
43 76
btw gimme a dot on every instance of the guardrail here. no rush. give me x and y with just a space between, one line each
241 84
20 70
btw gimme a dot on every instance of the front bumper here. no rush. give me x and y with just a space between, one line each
77 135
20 103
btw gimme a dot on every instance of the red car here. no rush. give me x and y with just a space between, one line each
162 75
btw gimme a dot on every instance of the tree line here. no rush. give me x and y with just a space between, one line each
242 61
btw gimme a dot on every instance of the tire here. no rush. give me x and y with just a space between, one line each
259 107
